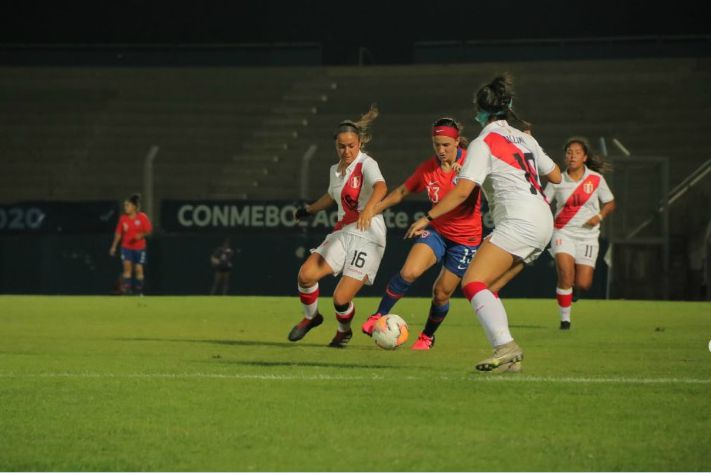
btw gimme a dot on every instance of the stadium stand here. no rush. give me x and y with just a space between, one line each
82 133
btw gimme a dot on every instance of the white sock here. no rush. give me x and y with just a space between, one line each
309 300
564 313
492 316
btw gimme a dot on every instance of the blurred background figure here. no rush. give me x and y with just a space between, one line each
221 261
132 229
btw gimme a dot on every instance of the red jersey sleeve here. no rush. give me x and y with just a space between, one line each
415 183
119 226
147 226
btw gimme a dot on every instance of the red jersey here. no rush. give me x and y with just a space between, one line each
463 224
129 227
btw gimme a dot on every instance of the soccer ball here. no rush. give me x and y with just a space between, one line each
390 331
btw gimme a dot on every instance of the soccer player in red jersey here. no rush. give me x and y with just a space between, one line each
357 243
132 229
452 239
506 164
577 221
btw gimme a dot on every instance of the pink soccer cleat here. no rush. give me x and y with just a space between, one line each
423 342
368 325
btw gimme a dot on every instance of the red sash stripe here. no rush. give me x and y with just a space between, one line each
349 197
576 200
507 152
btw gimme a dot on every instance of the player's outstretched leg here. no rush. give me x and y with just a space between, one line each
312 318
396 288
344 315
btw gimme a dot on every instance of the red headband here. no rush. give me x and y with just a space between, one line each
445 131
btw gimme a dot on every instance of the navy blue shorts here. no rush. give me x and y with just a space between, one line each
456 257
134 256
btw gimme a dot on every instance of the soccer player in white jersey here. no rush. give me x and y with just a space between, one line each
506 163
577 221
357 243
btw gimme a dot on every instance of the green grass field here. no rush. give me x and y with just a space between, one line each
196 383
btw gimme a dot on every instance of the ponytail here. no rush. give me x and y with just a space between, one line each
495 99
361 127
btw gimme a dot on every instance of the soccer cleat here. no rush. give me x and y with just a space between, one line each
565 325
423 342
503 354
369 324
513 367
341 339
303 327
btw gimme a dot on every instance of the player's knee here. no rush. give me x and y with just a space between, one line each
583 285
306 277
409 275
440 296
341 300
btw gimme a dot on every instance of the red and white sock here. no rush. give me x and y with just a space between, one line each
344 315
309 300
490 312
499 301
565 302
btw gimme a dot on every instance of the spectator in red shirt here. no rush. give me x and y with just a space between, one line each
132 229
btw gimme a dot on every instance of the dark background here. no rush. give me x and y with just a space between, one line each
387 29
134 34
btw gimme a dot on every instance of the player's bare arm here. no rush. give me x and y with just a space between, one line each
607 209
394 198
114 245
322 203
458 195
554 176
379 191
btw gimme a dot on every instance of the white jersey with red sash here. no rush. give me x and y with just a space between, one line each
506 163
577 202
351 190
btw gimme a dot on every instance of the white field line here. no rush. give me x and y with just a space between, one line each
485 377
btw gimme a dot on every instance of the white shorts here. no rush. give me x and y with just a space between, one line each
524 238
354 256
584 251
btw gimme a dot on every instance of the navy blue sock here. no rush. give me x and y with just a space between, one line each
396 288
138 285
126 284
437 315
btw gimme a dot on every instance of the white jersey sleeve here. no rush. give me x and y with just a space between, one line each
478 163
544 163
603 191
371 172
